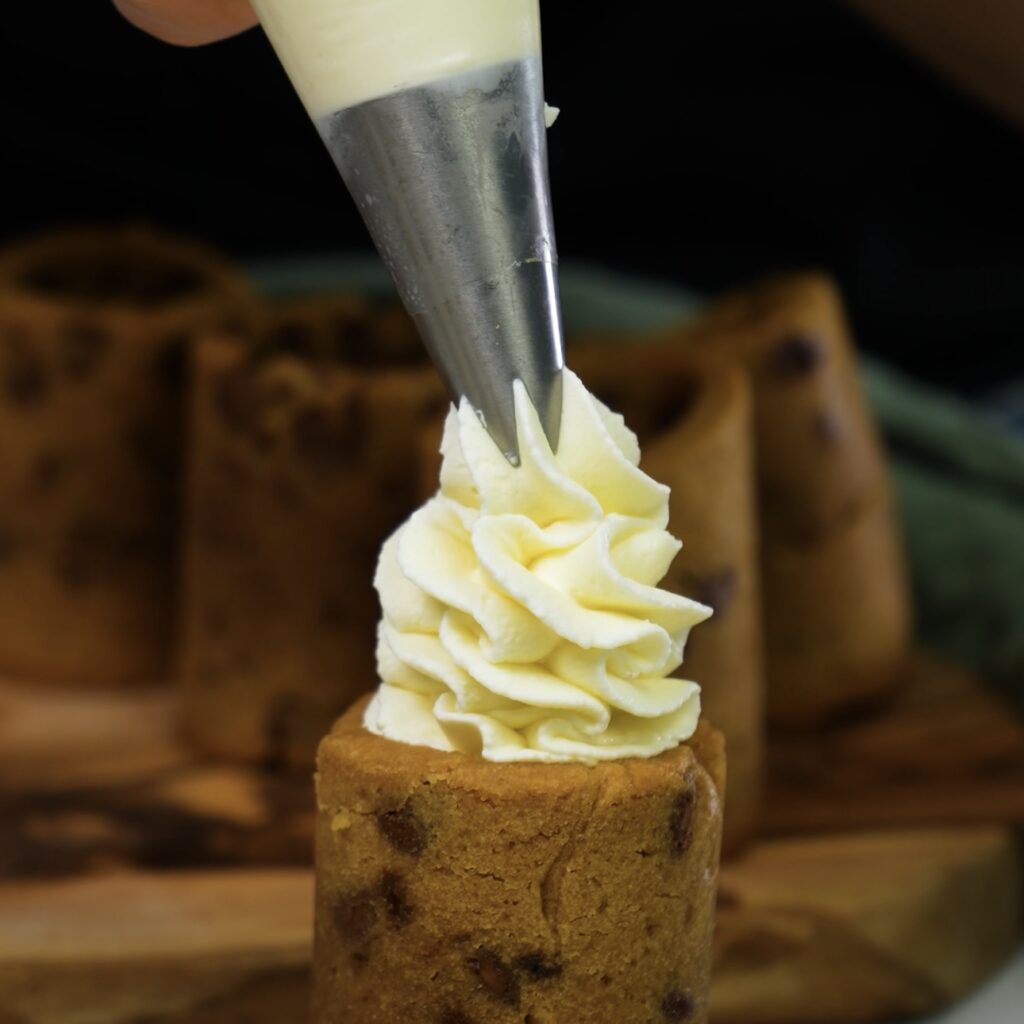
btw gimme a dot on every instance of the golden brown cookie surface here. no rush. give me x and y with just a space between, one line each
454 889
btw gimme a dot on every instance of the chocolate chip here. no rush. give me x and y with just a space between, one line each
330 436
796 356
715 589
355 916
676 1006
392 889
24 377
403 830
538 967
681 823
496 977
82 346
828 427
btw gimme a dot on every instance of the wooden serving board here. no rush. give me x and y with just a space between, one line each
889 886
945 751
877 926
99 781
96 780
207 948
874 927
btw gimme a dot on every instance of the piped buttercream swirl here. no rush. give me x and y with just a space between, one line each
522 618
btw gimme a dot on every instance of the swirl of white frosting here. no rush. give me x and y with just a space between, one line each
522 617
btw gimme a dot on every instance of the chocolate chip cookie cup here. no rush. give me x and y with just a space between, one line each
303 435
836 595
524 822
94 327
455 890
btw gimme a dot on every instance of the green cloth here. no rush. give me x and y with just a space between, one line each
960 483
960 480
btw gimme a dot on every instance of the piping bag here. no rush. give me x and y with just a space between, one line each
433 112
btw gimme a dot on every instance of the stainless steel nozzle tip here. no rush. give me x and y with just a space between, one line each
452 181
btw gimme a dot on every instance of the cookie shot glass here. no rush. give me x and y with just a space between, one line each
94 331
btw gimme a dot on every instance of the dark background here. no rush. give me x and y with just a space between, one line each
701 143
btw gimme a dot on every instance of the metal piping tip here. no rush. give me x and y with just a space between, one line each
452 181
527 347
497 413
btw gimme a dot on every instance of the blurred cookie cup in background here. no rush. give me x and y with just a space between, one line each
837 603
94 327
303 436
837 613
